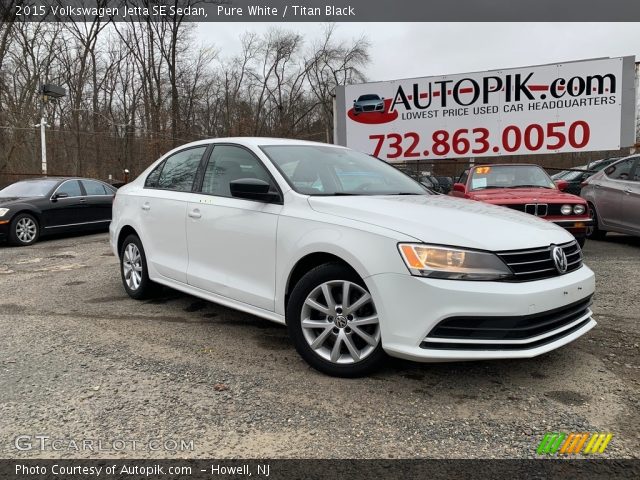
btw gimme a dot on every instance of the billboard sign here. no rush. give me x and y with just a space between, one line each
570 107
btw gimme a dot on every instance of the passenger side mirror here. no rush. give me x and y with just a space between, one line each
562 185
59 195
459 187
253 189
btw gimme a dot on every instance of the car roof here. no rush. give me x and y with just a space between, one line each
58 179
259 141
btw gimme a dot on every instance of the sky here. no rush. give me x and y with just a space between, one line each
405 50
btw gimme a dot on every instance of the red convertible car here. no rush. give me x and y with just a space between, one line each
526 188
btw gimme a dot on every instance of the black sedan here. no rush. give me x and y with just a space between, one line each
30 209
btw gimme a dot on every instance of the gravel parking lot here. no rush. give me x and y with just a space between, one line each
81 360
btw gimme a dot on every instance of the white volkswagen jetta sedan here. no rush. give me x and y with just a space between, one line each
356 258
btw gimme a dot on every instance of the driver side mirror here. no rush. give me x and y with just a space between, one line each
460 188
59 195
562 185
253 189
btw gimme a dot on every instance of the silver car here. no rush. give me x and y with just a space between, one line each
368 103
614 198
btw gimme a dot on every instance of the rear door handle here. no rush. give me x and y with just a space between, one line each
195 213
146 206
83 200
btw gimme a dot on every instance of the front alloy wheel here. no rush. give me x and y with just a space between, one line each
340 323
24 230
333 322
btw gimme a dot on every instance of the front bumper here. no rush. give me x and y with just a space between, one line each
576 226
410 307
4 228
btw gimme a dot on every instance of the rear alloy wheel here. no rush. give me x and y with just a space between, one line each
593 232
133 268
24 230
333 322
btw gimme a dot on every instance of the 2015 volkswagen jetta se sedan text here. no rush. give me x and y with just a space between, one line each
355 257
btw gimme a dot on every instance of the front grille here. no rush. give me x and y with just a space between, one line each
368 108
537 263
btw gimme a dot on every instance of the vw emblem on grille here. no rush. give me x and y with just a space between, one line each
559 259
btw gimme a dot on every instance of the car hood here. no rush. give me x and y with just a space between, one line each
524 195
446 220
8 201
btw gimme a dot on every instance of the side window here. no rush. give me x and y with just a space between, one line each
636 175
228 163
71 188
621 170
94 188
152 178
180 169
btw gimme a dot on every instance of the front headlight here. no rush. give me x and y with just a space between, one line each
578 209
452 263
3 211
565 209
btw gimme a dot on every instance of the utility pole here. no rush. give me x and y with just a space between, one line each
43 137
52 92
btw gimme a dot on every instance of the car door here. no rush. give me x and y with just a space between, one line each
631 201
608 192
66 208
163 208
99 200
232 241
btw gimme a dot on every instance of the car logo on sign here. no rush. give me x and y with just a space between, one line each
559 259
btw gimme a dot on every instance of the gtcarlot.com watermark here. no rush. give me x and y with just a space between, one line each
47 443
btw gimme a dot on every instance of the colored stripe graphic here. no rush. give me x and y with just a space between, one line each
572 443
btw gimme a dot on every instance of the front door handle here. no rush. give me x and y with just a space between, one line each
195 213
146 206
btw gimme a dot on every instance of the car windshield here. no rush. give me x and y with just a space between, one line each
364 98
575 174
320 170
28 188
510 176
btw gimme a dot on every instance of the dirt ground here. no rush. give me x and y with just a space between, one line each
81 361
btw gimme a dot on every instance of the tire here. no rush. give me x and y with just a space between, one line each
347 342
24 230
133 269
594 233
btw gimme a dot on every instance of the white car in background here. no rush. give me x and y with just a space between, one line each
355 257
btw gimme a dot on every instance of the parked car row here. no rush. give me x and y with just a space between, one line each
346 250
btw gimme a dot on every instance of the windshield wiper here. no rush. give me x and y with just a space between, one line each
528 186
